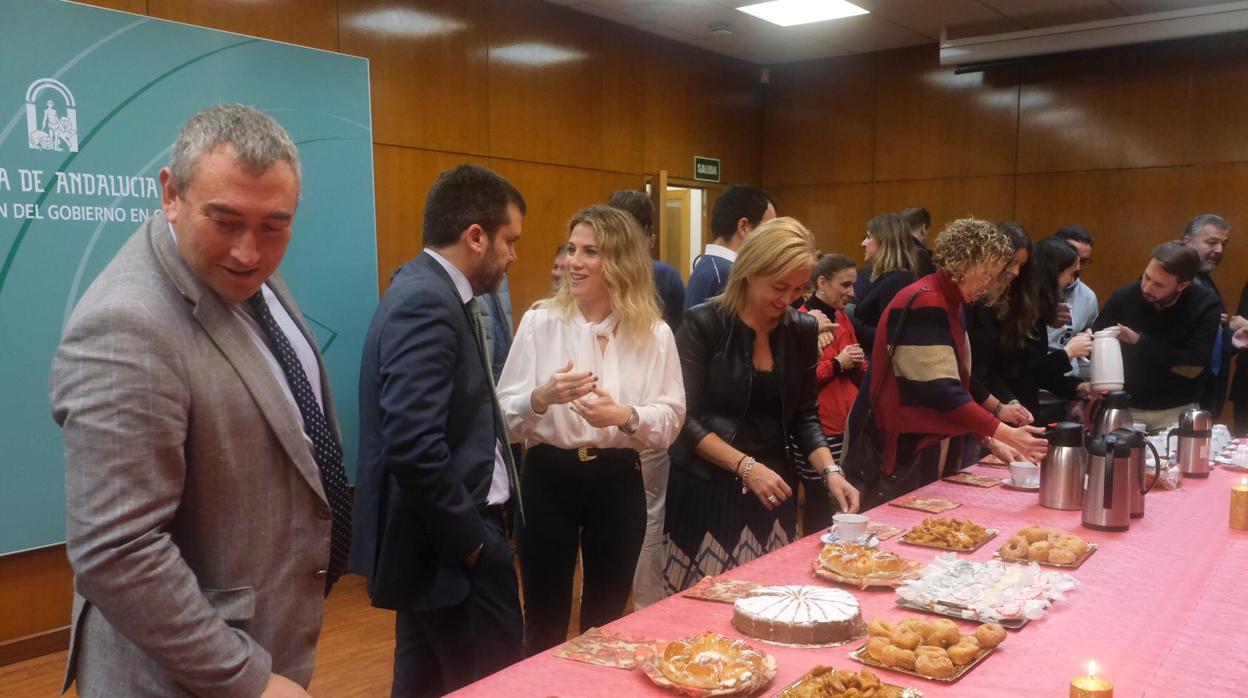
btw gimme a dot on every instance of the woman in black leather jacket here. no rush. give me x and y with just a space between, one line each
730 493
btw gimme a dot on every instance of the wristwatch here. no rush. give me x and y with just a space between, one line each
833 469
630 425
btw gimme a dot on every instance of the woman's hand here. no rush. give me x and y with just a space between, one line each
601 410
825 324
851 357
770 488
564 385
1025 440
1079 346
843 492
1005 454
1016 414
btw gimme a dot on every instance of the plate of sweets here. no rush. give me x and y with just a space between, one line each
992 591
862 566
827 682
931 649
707 664
1046 546
962 535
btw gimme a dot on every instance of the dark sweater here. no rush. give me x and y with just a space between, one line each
1021 373
871 307
1164 369
671 293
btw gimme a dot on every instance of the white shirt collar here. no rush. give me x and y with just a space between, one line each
713 250
457 276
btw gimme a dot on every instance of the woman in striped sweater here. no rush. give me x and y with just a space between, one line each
922 396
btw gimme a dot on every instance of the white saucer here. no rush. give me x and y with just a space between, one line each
829 538
1009 485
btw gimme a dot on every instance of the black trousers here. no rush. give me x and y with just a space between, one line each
439 651
593 501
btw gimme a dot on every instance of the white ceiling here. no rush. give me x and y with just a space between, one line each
890 24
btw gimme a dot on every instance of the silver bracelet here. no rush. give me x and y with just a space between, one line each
748 462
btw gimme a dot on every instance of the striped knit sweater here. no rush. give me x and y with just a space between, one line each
926 388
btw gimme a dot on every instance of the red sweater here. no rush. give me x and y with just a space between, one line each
837 391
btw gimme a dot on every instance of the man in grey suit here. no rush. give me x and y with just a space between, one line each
205 493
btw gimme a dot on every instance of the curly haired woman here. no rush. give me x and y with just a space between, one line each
918 388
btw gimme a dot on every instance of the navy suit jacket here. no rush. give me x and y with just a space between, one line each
427 438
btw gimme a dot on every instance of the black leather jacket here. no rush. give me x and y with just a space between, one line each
717 359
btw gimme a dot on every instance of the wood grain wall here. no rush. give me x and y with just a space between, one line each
1130 143
622 104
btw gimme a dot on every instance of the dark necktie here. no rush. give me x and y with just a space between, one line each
504 444
326 450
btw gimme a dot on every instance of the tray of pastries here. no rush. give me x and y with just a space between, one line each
827 682
1046 546
707 664
861 566
949 534
931 649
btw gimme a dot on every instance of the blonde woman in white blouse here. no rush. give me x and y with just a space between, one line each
593 376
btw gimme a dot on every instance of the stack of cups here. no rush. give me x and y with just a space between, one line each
1220 439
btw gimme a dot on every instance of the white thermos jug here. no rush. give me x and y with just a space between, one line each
1106 361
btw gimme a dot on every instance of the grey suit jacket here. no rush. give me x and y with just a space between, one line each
196 523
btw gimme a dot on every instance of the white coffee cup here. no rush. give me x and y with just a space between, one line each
850 527
1025 474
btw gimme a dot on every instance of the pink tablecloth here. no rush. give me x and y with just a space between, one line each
1162 608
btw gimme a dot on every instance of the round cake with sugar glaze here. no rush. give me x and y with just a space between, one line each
799 615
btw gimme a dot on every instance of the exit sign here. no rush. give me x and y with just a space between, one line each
705 169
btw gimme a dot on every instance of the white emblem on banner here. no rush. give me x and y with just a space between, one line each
52 125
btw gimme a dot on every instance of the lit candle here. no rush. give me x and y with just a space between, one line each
1091 686
1239 505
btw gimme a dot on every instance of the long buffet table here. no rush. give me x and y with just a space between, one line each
1162 608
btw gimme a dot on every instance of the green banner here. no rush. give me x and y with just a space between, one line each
90 103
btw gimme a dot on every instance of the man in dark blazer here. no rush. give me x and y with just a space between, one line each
434 468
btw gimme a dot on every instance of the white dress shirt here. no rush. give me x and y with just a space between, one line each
500 483
645 377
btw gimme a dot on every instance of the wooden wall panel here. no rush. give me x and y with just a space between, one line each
820 127
402 178
836 213
304 22
931 123
1128 211
561 87
427 64
1221 189
1127 110
991 198
553 194
1218 106
36 592
700 104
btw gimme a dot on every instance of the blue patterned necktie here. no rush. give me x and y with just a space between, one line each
500 429
325 447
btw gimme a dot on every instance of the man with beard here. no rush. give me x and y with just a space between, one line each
1209 234
434 467
1167 326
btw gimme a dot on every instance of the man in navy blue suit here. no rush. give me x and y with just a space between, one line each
738 211
666 279
435 469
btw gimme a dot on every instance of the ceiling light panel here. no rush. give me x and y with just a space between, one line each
789 13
